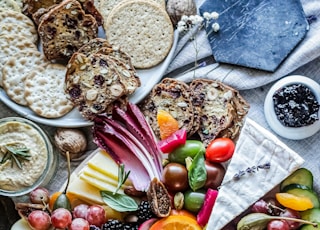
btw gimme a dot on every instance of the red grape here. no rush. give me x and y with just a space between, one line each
278 225
292 214
79 224
260 207
61 218
39 196
96 215
39 220
80 211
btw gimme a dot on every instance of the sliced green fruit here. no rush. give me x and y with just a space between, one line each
312 215
304 191
302 176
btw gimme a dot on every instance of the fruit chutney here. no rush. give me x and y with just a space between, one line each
295 105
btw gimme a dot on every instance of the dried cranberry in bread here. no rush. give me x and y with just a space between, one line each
65 28
172 96
196 108
93 83
125 67
217 110
241 109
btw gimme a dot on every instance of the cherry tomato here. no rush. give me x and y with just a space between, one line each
220 150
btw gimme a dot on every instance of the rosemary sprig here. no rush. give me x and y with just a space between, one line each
122 177
14 152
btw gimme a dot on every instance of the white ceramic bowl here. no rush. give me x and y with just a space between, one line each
292 133
10 126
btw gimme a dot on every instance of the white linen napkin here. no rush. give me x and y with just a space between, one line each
243 78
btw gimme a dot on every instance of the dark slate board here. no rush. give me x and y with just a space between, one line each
255 33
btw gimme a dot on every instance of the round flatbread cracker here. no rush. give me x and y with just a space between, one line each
11 45
29 33
11 16
9 5
142 29
44 91
15 71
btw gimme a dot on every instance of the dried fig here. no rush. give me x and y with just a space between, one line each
159 198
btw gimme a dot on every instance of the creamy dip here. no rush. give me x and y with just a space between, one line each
12 178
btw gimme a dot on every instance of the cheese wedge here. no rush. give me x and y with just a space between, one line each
103 163
85 191
256 146
88 171
99 184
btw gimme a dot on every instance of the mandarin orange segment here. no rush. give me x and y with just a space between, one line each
167 124
177 222
294 202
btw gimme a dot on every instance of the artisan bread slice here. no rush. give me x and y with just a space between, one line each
172 96
65 28
93 83
217 111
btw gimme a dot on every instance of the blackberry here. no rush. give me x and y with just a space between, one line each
144 211
112 224
93 227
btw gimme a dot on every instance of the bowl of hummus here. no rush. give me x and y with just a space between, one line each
27 159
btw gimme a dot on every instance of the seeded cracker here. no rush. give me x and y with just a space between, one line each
11 45
92 83
44 91
65 28
142 29
172 96
15 71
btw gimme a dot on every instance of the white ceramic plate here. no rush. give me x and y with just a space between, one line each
271 117
148 77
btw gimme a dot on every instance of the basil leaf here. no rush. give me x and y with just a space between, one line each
197 173
119 202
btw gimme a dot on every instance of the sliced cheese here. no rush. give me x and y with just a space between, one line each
89 171
99 184
256 146
103 163
85 191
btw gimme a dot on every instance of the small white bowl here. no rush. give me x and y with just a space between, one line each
293 133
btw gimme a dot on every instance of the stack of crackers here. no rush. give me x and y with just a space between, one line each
204 107
27 77
98 77
139 34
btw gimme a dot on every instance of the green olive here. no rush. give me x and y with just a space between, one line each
193 200
189 149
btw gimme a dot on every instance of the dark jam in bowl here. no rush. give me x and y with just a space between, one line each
295 105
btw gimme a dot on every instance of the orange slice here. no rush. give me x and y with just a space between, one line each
167 124
177 222
294 202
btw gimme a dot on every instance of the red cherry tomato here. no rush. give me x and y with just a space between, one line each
220 150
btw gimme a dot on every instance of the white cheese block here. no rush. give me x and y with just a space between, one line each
256 146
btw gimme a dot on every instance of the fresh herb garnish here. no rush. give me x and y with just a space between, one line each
14 152
119 202
122 177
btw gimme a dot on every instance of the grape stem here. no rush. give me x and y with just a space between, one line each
294 219
69 172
